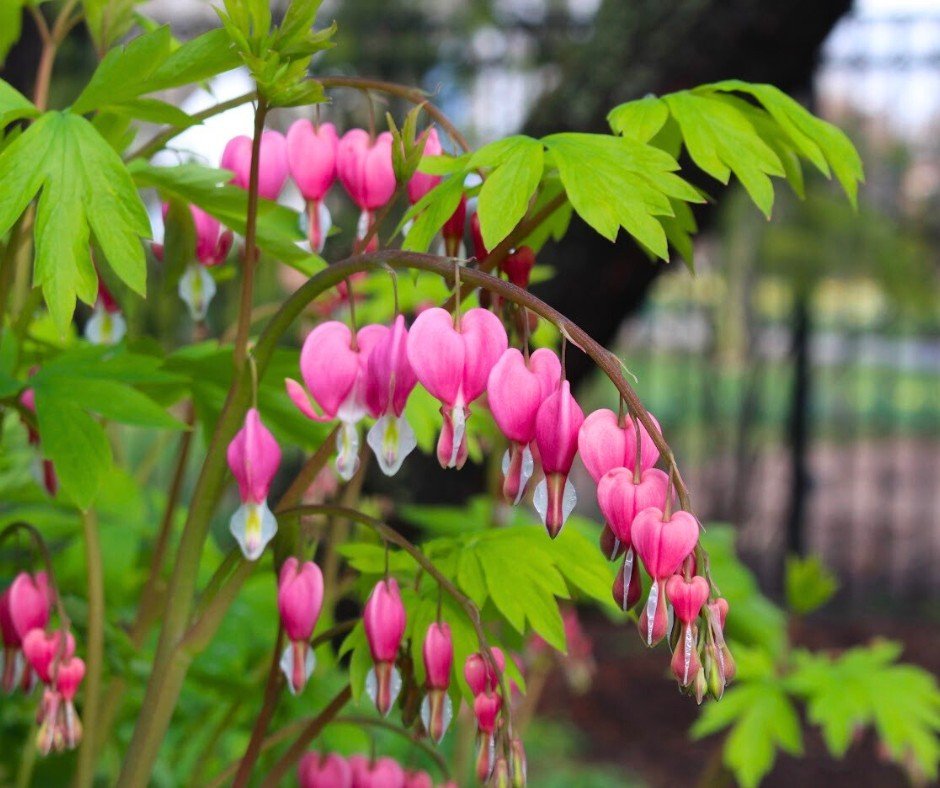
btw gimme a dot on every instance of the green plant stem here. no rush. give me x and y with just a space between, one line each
272 691
307 734
171 664
94 650
251 247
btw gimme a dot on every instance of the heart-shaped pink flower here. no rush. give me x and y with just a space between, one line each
272 163
604 444
687 597
29 599
620 500
324 771
663 544
42 650
311 157
69 676
556 435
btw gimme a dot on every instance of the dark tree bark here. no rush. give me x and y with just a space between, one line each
657 46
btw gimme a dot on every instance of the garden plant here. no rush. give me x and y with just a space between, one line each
156 633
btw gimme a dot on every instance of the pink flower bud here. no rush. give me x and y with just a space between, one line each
685 662
69 676
453 230
687 597
324 771
486 709
29 600
556 436
605 445
454 364
299 600
620 500
334 370
43 651
384 621
480 675
438 652
311 157
518 266
272 163
386 773
253 457
364 167
421 183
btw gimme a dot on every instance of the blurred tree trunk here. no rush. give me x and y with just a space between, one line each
657 46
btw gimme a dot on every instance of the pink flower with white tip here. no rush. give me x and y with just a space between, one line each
384 622
389 381
311 157
69 727
44 651
515 390
333 366
621 495
453 363
662 544
556 436
437 710
364 167
253 457
687 598
272 163
324 771
299 601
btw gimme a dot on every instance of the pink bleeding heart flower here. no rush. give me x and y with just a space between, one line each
386 773
421 183
272 163
106 326
324 771
389 382
418 780
518 266
299 601
620 498
481 676
486 709
364 167
43 651
16 672
253 457
453 230
69 676
604 444
717 613
438 652
361 774
662 544
65 722
556 436
333 367
29 599
311 157
454 364
687 598
515 390
384 622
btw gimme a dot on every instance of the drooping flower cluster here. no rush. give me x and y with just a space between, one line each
32 653
332 770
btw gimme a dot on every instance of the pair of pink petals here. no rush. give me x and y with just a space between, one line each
253 457
44 651
662 545
515 391
364 167
604 444
453 363
324 771
311 158
557 426
437 709
272 163
299 601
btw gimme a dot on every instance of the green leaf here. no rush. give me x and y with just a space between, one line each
515 165
108 20
11 24
431 212
150 62
640 120
154 111
298 19
614 182
14 105
763 720
85 188
721 140
809 584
